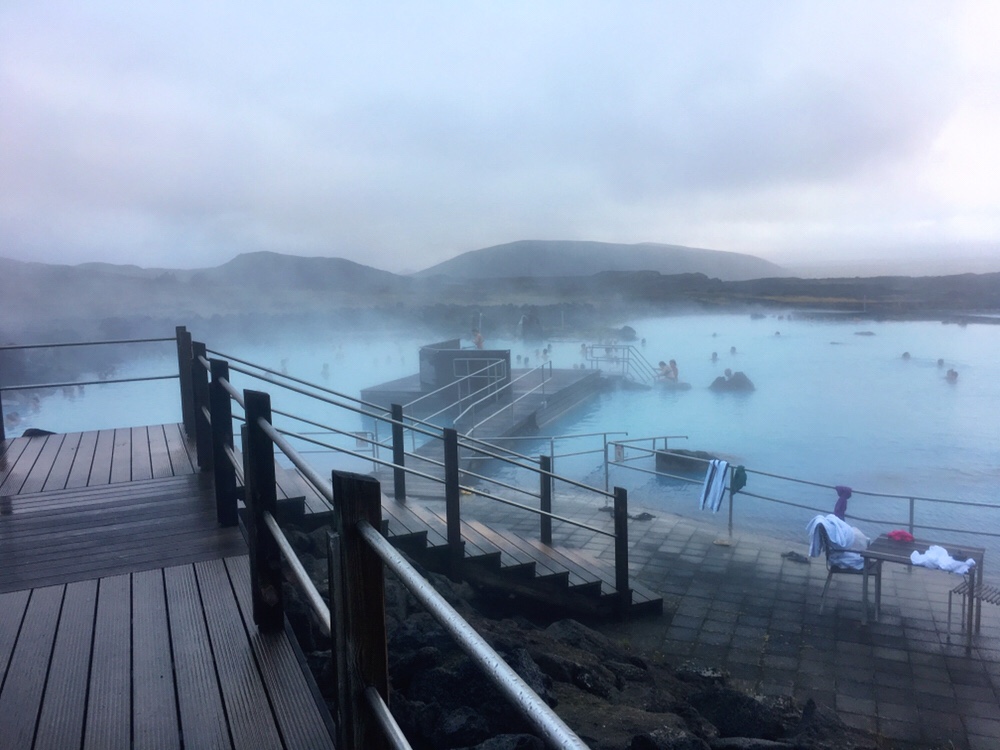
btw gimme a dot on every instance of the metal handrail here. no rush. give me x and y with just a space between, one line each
10 347
911 521
313 598
452 384
553 729
513 402
423 431
503 677
109 381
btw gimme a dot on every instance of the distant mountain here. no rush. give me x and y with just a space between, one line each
537 258
262 269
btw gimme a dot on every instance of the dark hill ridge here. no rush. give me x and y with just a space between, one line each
535 258
294 271
268 289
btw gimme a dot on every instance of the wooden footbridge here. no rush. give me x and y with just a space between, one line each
134 614
125 609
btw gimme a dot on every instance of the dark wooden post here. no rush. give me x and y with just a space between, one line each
199 387
398 454
621 551
222 439
545 493
261 497
452 502
356 498
336 585
184 376
3 433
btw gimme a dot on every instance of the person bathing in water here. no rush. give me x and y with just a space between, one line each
668 372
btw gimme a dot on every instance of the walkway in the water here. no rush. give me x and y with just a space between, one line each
755 614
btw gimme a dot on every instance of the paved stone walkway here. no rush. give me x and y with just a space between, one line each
748 610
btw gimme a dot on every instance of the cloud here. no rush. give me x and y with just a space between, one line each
399 135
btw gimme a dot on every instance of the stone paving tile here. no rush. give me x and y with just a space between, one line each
983 727
745 609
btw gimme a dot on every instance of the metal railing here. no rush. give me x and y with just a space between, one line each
630 452
353 610
5 417
621 359
514 401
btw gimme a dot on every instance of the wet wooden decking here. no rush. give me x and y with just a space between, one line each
125 616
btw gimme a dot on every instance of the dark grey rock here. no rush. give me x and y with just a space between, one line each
509 742
461 727
668 738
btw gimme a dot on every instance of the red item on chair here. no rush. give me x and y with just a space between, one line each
900 535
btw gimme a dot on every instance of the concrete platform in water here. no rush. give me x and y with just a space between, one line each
481 394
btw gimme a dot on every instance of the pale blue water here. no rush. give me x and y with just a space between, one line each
830 407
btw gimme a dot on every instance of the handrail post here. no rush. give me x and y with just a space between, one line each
731 493
398 454
911 516
336 585
222 438
261 497
621 551
184 376
3 433
359 498
545 495
452 501
199 389
607 472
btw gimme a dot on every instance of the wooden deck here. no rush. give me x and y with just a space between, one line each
125 610
163 658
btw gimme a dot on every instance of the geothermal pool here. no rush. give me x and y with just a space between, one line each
835 402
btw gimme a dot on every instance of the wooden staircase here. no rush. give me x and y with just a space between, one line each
503 563
500 562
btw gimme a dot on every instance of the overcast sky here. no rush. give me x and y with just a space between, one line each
181 134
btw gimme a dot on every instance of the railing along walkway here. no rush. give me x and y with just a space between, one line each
494 554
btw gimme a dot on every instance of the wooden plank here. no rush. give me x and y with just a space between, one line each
13 607
79 474
154 710
10 450
543 563
142 462
18 473
159 454
250 719
35 480
80 497
299 719
407 522
59 474
291 484
21 700
53 542
109 703
100 469
180 456
114 564
199 701
121 456
61 722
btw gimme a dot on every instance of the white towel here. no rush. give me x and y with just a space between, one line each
842 535
715 485
938 558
